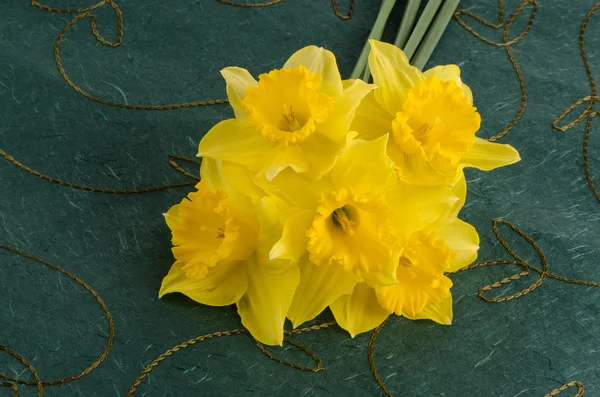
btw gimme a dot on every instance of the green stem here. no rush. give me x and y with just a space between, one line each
421 27
407 23
376 32
434 34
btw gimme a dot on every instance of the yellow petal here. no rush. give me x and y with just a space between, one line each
321 61
265 305
231 177
463 240
292 244
450 73
238 80
172 217
231 140
210 171
439 312
240 179
234 179
467 93
487 155
392 73
269 231
444 73
321 153
223 285
459 190
359 311
414 169
293 191
417 208
319 287
366 167
371 120
338 123
282 157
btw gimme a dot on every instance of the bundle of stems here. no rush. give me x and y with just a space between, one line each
418 40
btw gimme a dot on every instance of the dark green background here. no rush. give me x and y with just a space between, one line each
172 52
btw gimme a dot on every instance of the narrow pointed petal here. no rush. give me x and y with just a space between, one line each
414 169
359 311
487 155
371 120
319 287
231 140
365 166
264 307
463 240
271 229
440 312
392 73
293 191
282 157
321 61
224 284
338 123
420 207
459 190
240 179
322 152
292 244
238 80
210 171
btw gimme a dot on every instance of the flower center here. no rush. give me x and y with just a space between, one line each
404 262
292 124
287 100
355 233
341 219
421 132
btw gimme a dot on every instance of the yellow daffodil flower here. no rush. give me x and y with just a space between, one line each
350 226
423 288
221 240
297 117
430 118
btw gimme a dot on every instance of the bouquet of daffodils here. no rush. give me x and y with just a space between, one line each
324 192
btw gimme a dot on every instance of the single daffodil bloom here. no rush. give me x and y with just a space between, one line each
423 287
296 117
221 242
430 118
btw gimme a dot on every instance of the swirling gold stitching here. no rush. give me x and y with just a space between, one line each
506 43
590 100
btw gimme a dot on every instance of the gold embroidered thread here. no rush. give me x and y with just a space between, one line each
590 100
39 384
12 382
172 162
85 12
506 43
336 9
202 338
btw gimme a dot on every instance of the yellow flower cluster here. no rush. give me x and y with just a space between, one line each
329 193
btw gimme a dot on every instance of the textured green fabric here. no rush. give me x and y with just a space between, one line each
172 52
